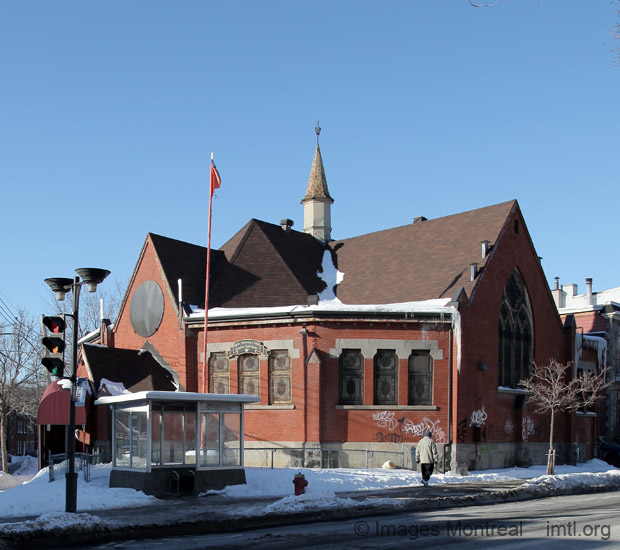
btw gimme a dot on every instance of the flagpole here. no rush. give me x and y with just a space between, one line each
204 355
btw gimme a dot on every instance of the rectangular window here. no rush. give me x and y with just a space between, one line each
249 375
279 377
386 378
219 373
351 377
420 378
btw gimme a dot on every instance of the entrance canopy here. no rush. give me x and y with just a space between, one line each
55 404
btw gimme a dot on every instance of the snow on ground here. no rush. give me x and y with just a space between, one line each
38 497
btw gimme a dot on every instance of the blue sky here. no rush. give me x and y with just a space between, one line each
109 112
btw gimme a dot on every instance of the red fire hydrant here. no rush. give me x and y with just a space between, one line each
300 483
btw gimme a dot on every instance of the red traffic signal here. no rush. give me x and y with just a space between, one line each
54 343
54 323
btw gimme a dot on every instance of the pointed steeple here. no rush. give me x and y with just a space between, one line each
317 200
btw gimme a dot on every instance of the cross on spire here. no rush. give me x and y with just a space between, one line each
317 129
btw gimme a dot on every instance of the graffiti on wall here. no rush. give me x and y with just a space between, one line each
398 428
527 428
387 419
478 418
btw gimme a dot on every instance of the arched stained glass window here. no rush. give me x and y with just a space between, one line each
516 342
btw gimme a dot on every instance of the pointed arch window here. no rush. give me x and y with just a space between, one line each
516 342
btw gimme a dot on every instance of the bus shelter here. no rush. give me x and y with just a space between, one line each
176 442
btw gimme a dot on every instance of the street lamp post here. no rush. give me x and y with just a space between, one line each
61 285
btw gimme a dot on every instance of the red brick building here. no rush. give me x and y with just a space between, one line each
354 344
597 323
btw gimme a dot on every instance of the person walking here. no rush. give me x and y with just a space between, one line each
426 455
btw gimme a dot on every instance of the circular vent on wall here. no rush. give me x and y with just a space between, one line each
147 308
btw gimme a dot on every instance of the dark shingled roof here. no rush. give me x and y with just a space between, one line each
425 260
188 262
264 265
267 266
137 370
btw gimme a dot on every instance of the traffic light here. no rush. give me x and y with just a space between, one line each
54 343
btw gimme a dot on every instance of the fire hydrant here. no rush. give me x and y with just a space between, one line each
300 483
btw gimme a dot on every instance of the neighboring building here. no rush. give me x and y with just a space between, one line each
597 322
21 434
354 344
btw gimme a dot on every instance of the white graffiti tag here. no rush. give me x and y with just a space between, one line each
509 427
478 418
426 425
385 419
527 428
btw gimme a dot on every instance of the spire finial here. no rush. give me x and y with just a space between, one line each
318 132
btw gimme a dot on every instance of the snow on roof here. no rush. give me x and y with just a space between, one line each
331 276
113 388
328 306
176 396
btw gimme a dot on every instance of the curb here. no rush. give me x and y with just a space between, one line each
116 531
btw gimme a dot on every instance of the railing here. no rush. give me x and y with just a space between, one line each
95 466
286 457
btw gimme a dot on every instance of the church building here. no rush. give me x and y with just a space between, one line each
351 345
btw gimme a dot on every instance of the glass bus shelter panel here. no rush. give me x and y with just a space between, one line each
179 440
220 406
122 449
232 439
156 438
209 440
138 439
189 442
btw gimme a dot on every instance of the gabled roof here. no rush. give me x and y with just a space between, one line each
264 265
185 261
425 260
267 266
138 370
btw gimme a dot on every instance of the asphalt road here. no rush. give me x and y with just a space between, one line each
566 522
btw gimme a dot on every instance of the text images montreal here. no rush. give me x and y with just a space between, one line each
457 529
449 528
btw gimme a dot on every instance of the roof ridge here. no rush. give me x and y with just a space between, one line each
430 221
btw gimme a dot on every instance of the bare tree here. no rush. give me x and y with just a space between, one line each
553 389
22 377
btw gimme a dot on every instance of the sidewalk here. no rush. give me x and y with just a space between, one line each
217 513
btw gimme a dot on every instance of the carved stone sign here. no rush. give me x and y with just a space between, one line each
243 347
